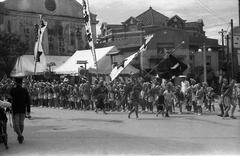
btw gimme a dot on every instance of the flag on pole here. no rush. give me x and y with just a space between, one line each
38 49
87 21
119 68
40 46
171 67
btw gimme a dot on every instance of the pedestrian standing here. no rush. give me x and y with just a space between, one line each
20 102
168 98
135 97
238 95
101 94
229 100
200 98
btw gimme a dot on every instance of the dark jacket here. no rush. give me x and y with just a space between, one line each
135 93
101 92
3 116
20 99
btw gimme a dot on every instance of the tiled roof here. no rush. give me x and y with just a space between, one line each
152 17
135 19
177 18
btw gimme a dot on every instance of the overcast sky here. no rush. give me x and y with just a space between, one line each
216 14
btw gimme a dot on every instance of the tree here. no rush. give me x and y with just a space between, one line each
11 47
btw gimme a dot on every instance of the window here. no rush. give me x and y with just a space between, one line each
72 40
191 57
50 5
1 19
208 61
162 48
9 26
79 34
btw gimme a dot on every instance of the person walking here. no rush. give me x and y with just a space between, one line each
101 94
20 102
229 101
135 97
223 88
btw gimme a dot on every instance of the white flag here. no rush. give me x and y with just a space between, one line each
39 55
87 21
118 69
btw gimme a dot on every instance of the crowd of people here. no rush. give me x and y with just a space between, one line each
135 94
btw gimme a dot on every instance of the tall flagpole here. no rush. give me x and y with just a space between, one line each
38 39
93 47
87 20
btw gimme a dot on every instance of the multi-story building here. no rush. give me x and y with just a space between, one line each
235 56
168 35
66 32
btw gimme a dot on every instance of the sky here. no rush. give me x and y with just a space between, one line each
216 14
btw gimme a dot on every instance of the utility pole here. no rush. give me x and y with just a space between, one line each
232 49
222 55
228 57
204 63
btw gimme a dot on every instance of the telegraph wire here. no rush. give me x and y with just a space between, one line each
212 12
216 25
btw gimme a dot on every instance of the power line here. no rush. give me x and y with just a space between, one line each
212 12
216 25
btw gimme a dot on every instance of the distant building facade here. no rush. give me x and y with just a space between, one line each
236 45
66 31
168 34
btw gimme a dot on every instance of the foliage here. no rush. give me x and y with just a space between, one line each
11 47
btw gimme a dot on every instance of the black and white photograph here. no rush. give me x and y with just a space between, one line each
119 77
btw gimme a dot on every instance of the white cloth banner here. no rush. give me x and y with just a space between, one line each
39 54
118 69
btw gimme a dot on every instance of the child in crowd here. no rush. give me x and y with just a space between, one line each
168 98
199 97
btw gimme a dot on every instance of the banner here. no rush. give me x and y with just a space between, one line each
119 68
87 21
38 49
39 54
170 67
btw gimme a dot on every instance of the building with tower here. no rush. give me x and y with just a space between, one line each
168 34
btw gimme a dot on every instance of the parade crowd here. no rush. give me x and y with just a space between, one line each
133 95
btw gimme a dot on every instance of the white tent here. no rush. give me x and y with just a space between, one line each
25 65
103 61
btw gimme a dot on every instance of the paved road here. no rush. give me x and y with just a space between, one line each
69 132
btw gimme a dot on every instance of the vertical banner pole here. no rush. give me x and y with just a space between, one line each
35 52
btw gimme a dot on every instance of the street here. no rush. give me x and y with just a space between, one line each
70 132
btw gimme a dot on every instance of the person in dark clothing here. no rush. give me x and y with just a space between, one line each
223 88
135 96
3 127
101 93
20 103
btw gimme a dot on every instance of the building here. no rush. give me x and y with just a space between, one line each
66 31
236 52
169 33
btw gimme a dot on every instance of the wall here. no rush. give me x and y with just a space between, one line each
66 32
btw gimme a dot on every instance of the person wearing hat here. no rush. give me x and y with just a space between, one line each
20 102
